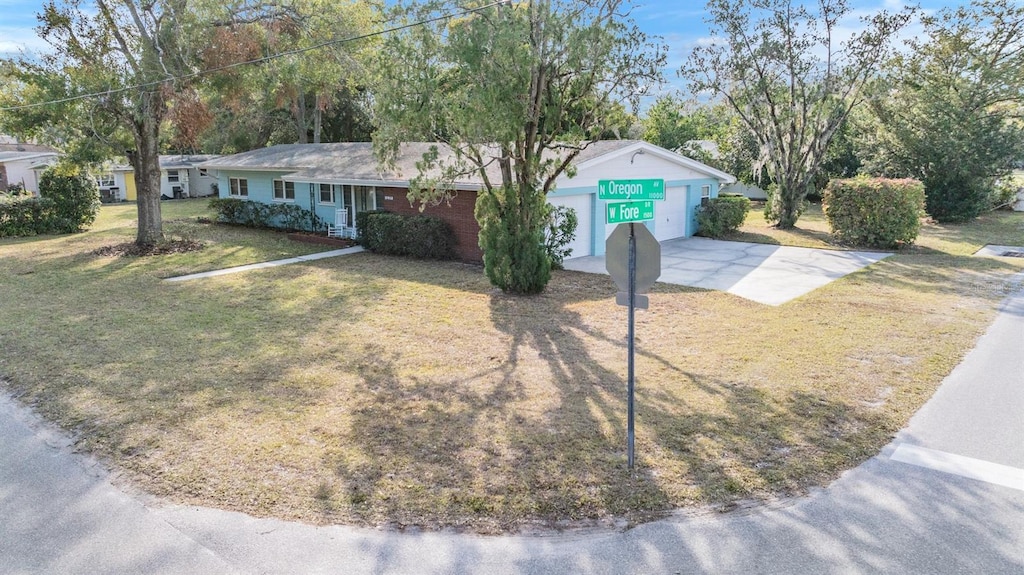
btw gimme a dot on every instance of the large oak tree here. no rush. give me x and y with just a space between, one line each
783 67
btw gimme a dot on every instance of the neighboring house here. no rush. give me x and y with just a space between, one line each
708 149
180 177
23 168
347 176
752 192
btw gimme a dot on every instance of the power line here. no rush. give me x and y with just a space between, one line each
256 60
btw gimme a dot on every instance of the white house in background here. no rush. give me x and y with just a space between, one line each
180 177
22 168
709 149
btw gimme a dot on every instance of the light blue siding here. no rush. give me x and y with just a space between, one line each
261 189
598 207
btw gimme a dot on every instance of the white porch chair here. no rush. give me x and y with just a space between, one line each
340 228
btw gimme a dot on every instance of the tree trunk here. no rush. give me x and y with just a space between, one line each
146 162
789 203
300 119
318 116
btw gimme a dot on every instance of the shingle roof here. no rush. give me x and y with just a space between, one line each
356 162
16 156
184 161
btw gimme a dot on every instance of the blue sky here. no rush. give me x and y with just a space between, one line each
679 22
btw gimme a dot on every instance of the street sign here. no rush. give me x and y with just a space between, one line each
634 270
623 212
630 190
648 257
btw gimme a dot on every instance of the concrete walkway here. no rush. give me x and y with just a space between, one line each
270 264
764 273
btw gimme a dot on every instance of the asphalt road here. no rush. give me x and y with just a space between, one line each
946 496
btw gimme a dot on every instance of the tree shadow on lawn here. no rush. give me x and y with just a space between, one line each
182 388
539 436
939 274
533 431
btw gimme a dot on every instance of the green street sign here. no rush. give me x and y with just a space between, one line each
623 212
630 190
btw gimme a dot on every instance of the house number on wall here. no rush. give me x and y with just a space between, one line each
389 198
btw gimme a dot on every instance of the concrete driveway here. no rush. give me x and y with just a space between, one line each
764 273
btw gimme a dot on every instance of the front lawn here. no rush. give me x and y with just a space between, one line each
1001 227
385 391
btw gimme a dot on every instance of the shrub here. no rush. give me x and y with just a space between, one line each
562 223
954 197
424 237
1004 194
25 216
512 239
75 198
361 218
289 217
874 212
722 215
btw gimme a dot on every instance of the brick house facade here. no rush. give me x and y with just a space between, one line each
459 215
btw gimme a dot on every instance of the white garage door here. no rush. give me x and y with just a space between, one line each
581 243
670 214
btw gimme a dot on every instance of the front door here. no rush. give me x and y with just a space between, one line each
359 199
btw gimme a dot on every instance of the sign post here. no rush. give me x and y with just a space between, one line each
633 259
630 378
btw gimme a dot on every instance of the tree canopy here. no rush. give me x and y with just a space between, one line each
124 77
781 66
522 88
952 108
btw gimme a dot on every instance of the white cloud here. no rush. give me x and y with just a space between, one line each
13 40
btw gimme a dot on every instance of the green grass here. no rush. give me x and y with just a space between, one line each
1000 227
373 390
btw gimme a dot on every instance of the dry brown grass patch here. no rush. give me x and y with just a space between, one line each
386 391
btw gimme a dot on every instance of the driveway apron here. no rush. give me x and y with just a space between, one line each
764 273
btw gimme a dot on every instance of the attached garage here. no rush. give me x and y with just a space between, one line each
583 205
671 215
686 182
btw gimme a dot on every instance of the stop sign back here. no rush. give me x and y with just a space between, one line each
648 257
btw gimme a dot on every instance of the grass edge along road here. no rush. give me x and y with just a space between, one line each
384 391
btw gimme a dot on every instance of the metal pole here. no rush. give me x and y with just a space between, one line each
630 380
312 210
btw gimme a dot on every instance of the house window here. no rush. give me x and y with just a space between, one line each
326 194
172 176
203 173
284 191
239 187
705 195
105 180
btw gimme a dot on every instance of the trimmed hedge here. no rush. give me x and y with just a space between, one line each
424 237
25 216
68 204
361 219
288 217
876 212
74 198
722 215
